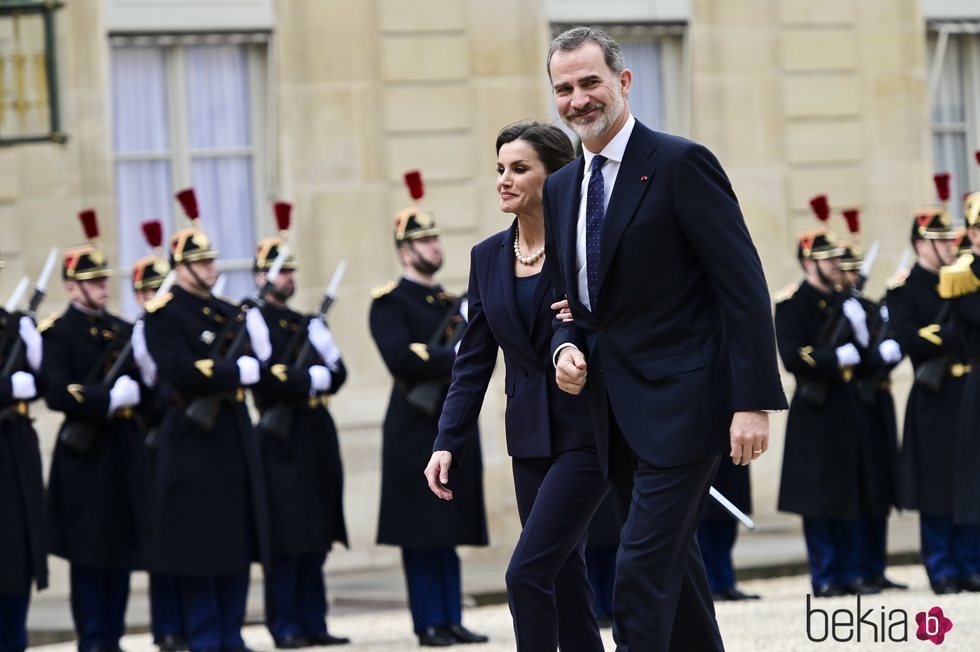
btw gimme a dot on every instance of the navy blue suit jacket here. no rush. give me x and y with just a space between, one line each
682 336
541 420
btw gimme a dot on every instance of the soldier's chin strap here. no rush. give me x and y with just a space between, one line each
91 305
422 265
197 279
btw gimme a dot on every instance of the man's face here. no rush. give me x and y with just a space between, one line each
933 254
590 98
973 233
142 296
850 278
424 255
820 272
205 270
285 285
93 293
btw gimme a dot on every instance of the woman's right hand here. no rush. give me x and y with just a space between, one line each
437 474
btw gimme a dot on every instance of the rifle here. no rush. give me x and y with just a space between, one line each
12 335
78 435
203 411
427 396
278 419
15 359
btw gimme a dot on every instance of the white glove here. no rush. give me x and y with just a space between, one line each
847 355
883 311
322 340
855 314
125 392
258 334
23 385
319 379
890 351
148 368
249 370
32 342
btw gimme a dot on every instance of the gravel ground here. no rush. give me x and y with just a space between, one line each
777 622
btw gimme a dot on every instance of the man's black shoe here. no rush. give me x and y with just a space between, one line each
945 586
172 643
291 642
971 583
327 639
435 637
860 587
733 594
462 635
827 591
886 584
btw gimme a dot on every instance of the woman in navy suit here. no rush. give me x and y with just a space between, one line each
557 477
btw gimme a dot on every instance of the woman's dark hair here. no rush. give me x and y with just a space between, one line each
549 142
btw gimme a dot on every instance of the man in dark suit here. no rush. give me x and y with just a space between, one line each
645 236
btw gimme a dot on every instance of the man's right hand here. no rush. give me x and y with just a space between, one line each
570 372
437 473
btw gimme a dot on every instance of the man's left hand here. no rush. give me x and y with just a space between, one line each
750 436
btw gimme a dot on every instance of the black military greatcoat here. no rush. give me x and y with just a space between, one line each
303 470
821 474
210 509
403 321
96 497
935 471
966 313
23 552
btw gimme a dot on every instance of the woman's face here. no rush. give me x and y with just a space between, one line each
520 178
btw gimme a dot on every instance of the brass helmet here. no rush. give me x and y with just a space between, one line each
191 243
149 271
818 243
417 221
87 261
932 222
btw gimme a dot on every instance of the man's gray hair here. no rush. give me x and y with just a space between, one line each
574 38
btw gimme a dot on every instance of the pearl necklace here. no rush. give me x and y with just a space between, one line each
525 260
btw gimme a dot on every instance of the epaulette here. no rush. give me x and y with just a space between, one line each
48 322
786 293
379 292
958 279
158 301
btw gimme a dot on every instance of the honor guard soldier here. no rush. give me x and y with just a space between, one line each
960 283
879 450
149 272
23 557
816 328
935 471
210 517
96 491
414 323
300 453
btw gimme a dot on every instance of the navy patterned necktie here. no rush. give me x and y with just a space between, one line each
595 212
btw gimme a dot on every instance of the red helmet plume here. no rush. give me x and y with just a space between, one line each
821 208
852 215
942 185
153 232
188 201
283 210
90 223
416 188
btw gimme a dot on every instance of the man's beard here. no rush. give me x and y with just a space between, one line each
425 267
284 293
608 113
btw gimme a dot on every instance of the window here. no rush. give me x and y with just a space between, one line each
188 111
954 84
660 95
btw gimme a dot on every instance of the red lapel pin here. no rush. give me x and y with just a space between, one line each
644 178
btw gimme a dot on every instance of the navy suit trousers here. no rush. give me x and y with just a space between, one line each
548 588
662 601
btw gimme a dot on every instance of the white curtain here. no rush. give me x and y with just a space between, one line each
215 155
954 113
141 133
220 141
